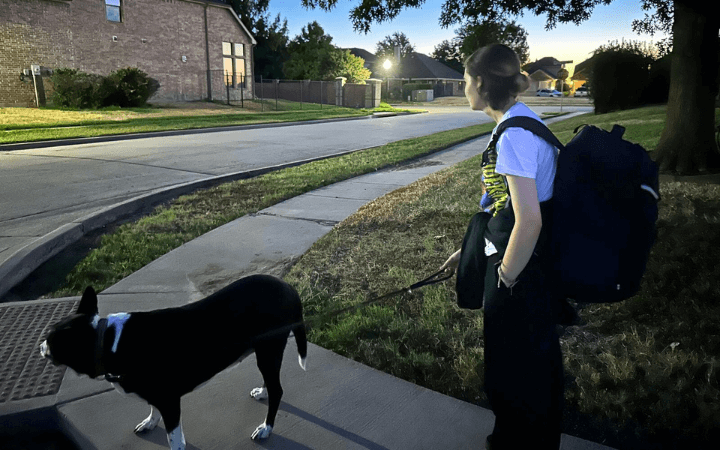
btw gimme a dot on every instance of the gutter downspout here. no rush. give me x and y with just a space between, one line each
207 56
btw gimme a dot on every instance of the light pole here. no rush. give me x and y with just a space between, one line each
563 74
387 65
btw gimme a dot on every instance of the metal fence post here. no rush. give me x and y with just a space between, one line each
321 89
227 87
242 89
262 95
301 86
277 83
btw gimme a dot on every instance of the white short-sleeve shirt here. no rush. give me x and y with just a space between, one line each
523 154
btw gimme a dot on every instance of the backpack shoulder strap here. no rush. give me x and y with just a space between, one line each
534 126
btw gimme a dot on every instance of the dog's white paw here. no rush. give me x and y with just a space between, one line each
149 423
261 432
259 394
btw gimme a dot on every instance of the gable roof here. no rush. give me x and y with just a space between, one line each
548 66
369 58
225 4
419 65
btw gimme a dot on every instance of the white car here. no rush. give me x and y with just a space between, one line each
547 93
581 92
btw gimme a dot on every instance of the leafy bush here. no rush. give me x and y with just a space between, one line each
619 75
128 87
124 87
75 89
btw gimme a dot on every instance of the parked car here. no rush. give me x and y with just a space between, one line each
581 92
548 93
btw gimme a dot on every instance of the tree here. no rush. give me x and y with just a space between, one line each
474 35
250 11
314 57
311 54
271 51
349 66
272 38
687 143
386 47
448 53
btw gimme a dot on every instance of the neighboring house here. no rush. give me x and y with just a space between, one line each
581 75
417 68
186 45
543 73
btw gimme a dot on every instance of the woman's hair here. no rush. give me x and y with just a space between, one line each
498 66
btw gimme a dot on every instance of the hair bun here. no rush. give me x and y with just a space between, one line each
522 82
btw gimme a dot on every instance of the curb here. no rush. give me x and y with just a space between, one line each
121 137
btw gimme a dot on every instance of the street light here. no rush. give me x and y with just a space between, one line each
387 65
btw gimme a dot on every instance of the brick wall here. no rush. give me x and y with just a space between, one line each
154 35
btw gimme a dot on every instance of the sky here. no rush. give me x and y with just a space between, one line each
565 42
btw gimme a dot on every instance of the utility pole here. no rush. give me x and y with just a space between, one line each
562 75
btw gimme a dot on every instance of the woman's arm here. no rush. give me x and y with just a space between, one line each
528 222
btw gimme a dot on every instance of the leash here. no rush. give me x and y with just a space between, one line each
309 321
432 279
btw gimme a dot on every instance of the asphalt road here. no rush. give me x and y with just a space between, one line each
44 189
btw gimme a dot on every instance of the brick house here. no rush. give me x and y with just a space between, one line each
186 45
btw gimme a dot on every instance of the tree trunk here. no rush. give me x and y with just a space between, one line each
687 144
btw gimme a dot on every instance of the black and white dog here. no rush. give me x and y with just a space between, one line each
255 313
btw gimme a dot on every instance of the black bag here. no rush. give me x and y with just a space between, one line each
605 206
470 282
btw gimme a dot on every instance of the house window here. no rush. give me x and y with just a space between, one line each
112 10
234 64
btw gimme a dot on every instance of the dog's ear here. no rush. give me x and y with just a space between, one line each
89 302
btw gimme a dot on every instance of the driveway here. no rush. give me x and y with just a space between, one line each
47 188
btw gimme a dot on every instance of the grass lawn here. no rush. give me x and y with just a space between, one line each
37 124
643 371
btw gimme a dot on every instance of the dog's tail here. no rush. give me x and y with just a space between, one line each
301 341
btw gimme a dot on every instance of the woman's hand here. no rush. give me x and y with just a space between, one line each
452 262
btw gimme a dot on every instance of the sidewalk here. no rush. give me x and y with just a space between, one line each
336 404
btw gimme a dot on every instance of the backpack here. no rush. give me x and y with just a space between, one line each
605 206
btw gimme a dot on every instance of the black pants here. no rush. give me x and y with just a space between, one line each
523 362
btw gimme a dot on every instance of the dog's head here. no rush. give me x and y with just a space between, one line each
72 341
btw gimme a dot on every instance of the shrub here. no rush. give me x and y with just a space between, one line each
128 87
619 76
124 87
75 89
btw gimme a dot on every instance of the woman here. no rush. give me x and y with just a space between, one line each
523 363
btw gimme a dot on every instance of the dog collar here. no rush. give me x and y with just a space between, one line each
116 321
